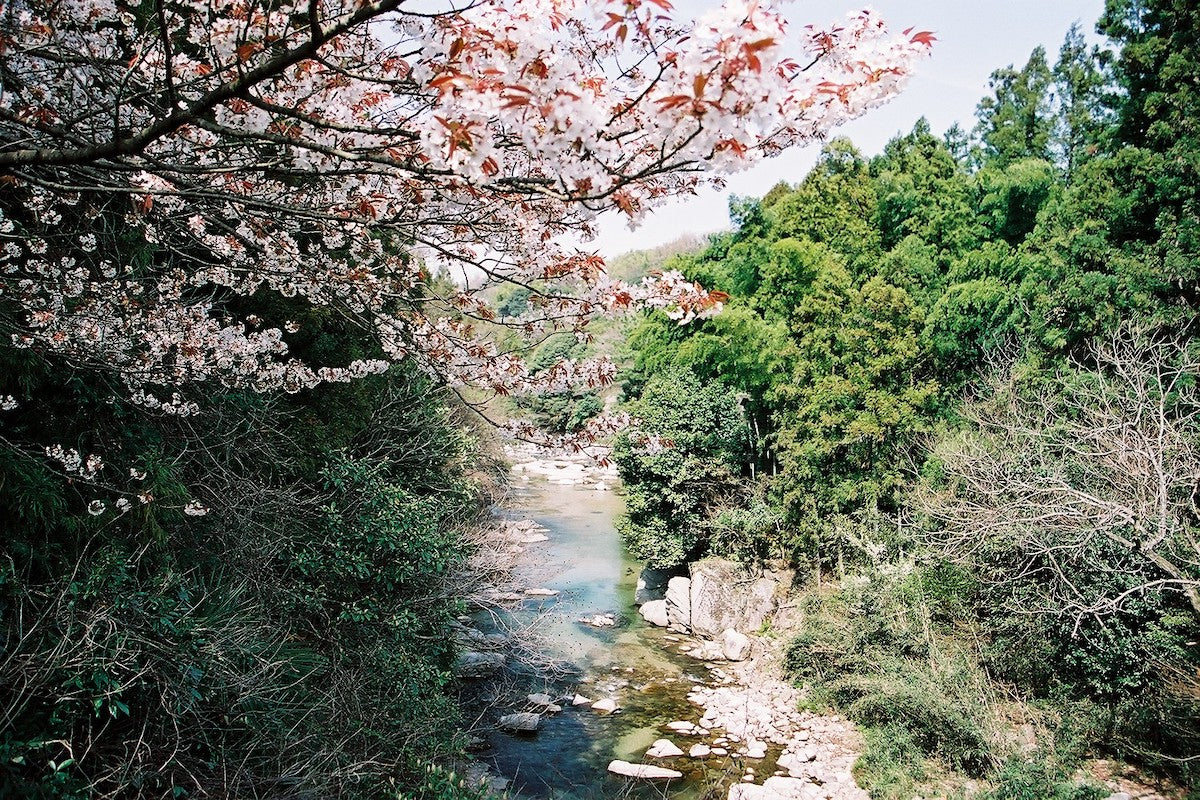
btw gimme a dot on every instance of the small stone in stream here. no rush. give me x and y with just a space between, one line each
720 751
542 592
748 778
663 748
681 726
648 771
699 751
580 700
524 722
756 749
607 705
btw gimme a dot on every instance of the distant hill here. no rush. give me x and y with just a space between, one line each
637 264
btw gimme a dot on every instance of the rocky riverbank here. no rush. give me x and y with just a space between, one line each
748 724
696 698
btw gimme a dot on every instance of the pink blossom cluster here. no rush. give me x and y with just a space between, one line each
344 153
73 463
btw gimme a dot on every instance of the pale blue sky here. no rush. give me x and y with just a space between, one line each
975 37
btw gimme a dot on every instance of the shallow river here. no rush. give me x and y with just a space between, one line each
630 662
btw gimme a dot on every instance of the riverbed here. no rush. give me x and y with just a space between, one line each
631 663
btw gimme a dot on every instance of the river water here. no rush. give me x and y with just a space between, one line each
631 662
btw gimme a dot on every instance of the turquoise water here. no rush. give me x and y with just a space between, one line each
631 662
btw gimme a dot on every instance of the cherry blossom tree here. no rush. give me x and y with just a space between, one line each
158 159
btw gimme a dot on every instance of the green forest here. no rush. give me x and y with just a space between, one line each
954 385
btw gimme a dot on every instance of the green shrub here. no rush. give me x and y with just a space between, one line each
936 724
681 463
441 784
871 649
1039 779
290 642
892 766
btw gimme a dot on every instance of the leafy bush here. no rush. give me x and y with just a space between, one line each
892 766
291 641
873 650
441 784
1039 779
949 728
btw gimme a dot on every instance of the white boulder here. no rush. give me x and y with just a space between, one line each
735 646
679 604
648 771
663 748
655 612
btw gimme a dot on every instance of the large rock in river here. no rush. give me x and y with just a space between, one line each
655 612
525 722
725 594
679 604
651 585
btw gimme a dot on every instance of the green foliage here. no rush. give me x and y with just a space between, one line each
513 301
747 534
695 462
875 650
892 766
832 205
1081 80
560 412
1040 779
855 399
1015 122
441 784
923 191
1012 197
866 300
969 322
293 639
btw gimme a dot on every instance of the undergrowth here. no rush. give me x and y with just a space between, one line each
896 653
